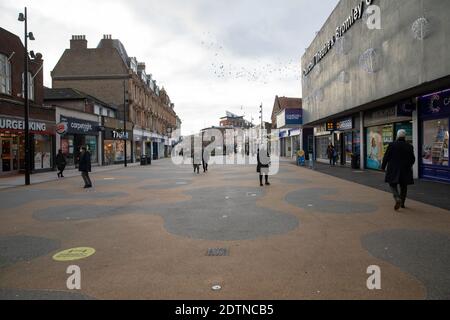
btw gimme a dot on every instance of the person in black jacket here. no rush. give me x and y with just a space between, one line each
60 163
263 166
85 167
399 160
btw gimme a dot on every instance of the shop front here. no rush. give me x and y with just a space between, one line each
347 139
323 137
114 146
434 118
12 145
381 127
75 133
142 143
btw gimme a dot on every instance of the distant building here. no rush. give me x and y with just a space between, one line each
235 121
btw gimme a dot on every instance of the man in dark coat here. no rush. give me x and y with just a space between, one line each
263 166
399 160
85 167
60 163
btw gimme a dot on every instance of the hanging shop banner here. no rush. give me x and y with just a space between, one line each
434 104
77 126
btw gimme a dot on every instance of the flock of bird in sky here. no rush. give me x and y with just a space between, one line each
258 71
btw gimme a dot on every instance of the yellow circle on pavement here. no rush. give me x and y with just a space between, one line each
74 254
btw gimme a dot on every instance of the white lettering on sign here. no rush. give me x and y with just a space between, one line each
12 124
355 15
120 135
85 127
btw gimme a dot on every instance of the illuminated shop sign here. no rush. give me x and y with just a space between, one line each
355 15
17 124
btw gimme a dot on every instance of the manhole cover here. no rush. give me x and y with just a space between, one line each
217 252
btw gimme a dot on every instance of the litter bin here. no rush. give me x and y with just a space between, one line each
149 160
143 161
355 161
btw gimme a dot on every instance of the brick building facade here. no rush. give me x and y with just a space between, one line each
103 72
12 112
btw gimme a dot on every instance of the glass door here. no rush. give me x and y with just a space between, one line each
6 155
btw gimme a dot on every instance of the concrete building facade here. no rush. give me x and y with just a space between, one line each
365 76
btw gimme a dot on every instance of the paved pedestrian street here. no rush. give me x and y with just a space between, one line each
163 232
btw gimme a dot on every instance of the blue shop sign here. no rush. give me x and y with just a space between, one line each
435 104
294 117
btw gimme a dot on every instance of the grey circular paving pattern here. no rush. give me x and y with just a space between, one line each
15 294
293 181
224 214
423 254
15 249
313 199
171 184
11 199
79 212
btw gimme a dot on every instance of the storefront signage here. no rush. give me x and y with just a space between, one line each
120 135
16 124
294 117
77 126
384 116
330 126
346 124
117 134
436 103
406 108
355 15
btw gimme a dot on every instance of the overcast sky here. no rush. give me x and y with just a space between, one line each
210 55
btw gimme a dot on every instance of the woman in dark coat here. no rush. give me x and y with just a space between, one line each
399 160
263 166
85 167
331 152
60 163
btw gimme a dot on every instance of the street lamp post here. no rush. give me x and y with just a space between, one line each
125 121
23 18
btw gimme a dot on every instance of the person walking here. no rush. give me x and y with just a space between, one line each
205 160
85 167
196 160
262 168
61 163
399 160
331 152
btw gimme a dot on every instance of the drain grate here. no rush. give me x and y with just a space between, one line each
217 252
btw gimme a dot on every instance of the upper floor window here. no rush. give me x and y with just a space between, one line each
5 75
97 110
30 86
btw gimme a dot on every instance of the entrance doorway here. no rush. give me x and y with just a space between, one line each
9 151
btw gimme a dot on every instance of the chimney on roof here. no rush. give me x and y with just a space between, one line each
106 42
78 42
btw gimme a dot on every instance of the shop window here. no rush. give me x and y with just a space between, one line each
42 152
378 140
30 86
91 144
5 75
435 148
322 147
